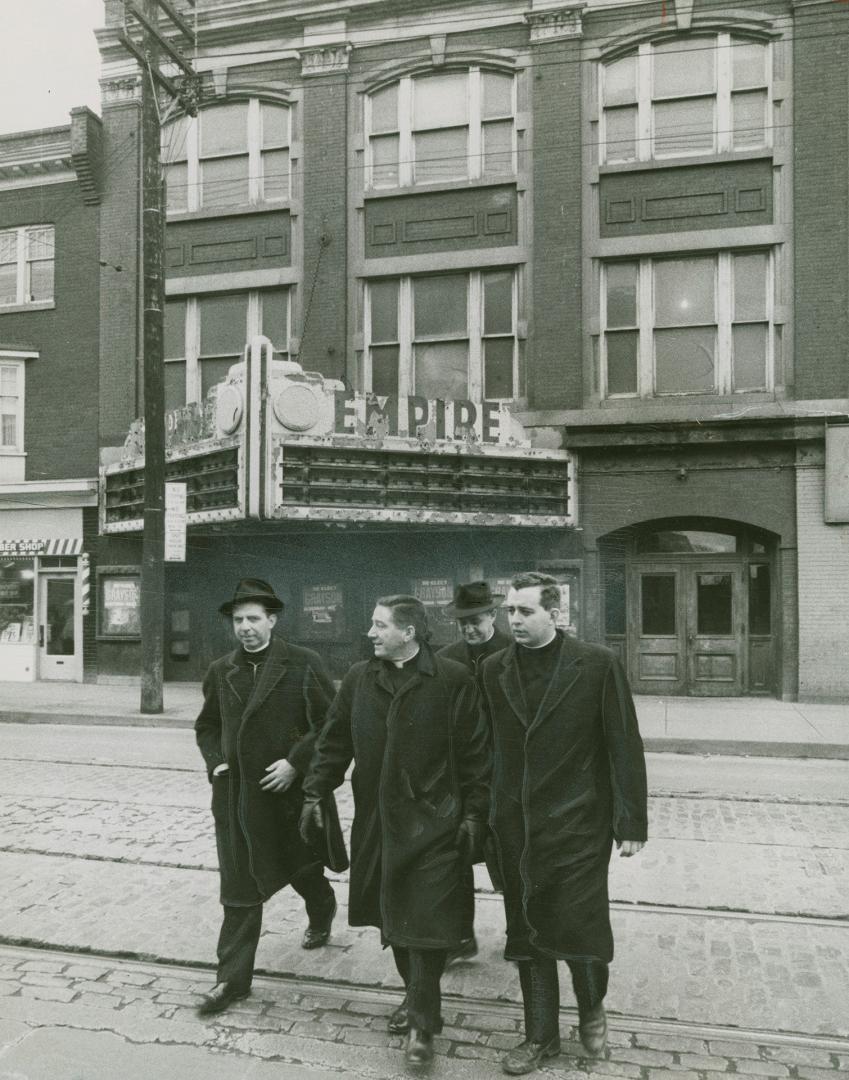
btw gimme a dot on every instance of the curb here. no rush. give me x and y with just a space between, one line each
163 720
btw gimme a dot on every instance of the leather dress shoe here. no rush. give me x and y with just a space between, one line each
464 951
221 997
528 1056
318 931
399 1020
419 1051
592 1028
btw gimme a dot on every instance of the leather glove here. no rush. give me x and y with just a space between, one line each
470 837
311 823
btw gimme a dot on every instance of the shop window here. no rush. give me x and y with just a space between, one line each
432 129
235 154
686 96
16 600
205 335
27 256
443 336
690 324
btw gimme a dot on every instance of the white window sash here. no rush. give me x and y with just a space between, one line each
23 259
474 146
17 407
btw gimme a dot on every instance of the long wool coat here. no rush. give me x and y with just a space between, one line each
259 846
422 760
565 783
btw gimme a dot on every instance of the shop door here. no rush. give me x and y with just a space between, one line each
715 630
58 646
657 631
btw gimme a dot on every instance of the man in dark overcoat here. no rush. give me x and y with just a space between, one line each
474 607
568 779
411 721
264 705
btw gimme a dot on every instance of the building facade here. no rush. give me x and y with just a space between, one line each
49 348
622 230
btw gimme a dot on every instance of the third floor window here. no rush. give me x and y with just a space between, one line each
229 155
686 96
432 129
26 265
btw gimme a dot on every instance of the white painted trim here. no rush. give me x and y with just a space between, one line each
235 281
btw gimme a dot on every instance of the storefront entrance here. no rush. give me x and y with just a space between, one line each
690 610
59 654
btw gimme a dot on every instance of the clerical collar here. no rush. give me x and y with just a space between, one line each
407 663
258 655
539 648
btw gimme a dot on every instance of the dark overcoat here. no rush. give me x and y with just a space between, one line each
421 763
565 783
460 651
259 846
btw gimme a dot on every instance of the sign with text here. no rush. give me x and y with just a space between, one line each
175 522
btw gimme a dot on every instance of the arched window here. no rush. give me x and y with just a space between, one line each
686 96
435 128
233 154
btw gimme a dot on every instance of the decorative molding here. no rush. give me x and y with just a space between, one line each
683 14
437 49
120 91
558 24
325 59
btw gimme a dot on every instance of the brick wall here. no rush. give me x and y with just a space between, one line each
554 352
821 134
823 574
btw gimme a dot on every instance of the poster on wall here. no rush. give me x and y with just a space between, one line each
435 593
120 604
323 611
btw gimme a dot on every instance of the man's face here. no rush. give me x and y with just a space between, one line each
530 623
252 625
476 629
390 642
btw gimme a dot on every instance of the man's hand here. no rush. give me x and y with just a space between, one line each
311 824
470 837
280 775
629 847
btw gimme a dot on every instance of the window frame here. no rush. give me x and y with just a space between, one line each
724 325
23 281
192 356
722 95
475 331
17 362
193 160
406 131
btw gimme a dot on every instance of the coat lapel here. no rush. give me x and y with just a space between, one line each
270 673
566 674
511 685
230 672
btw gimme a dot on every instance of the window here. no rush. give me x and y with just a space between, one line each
26 265
205 335
689 324
431 129
699 95
12 407
229 155
443 336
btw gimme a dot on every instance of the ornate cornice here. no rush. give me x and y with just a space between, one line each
556 24
324 59
120 91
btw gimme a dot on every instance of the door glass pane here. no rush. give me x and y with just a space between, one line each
442 370
224 130
749 118
223 324
498 302
225 181
498 368
440 305
750 287
684 66
748 61
684 360
440 155
714 614
620 128
683 127
620 81
384 370
622 362
384 161
658 605
59 639
498 147
384 310
384 109
749 345
684 291
440 101
760 607
497 95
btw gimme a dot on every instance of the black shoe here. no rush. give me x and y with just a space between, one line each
318 931
464 951
528 1056
399 1021
221 997
592 1028
419 1051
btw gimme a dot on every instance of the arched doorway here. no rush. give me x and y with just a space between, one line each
689 605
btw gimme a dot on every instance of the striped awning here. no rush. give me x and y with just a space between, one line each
28 547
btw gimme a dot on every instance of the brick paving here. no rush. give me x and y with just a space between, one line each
322 1030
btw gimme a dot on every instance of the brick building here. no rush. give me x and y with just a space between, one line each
623 229
49 314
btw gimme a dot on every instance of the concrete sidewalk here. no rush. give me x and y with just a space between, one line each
743 726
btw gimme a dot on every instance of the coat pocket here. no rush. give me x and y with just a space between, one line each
221 795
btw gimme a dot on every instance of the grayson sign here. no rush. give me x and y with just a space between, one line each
415 416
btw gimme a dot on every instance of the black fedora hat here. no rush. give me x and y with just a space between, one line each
472 599
251 590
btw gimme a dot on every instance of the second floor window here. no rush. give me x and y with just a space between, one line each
443 335
685 96
26 265
229 155
12 407
431 129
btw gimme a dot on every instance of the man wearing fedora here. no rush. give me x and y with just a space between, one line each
264 706
474 607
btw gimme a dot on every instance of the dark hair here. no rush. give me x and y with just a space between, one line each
407 611
549 590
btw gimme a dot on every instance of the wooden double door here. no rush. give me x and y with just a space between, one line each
688 626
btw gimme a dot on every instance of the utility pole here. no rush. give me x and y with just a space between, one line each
146 13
